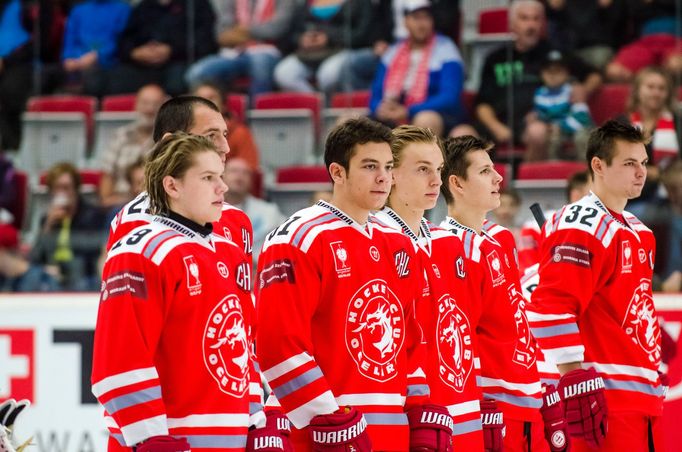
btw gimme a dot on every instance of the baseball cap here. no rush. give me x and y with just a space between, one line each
411 6
554 57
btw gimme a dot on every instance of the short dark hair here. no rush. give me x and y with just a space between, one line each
340 145
579 179
602 142
456 161
177 115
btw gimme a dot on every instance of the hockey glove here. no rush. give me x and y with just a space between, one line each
493 426
9 410
274 437
163 443
430 429
343 431
582 392
556 428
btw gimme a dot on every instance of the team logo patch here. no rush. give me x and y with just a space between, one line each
222 269
375 330
642 256
227 234
277 271
192 272
426 290
525 349
125 282
459 266
453 337
340 259
226 347
571 253
640 321
374 253
558 439
436 271
626 262
495 266
402 263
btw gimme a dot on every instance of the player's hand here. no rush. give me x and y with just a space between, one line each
582 391
9 411
556 428
343 431
493 426
430 429
274 437
163 443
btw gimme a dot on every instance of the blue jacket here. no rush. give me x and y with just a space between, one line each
446 79
95 25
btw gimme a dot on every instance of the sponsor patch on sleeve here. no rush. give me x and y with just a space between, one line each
278 271
122 283
571 253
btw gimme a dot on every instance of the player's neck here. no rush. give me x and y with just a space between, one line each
358 214
411 217
611 201
466 216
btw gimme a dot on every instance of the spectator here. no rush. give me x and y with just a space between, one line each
508 211
264 216
130 142
15 71
671 272
71 232
90 40
156 45
8 190
658 43
16 273
565 120
323 33
134 176
250 35
651 106
239 137
420 78
590 29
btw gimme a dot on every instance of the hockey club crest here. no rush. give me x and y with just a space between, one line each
375 330
626 262
436 271
192 272
226 347
641 322
374 253
459 266
525 350
402 263
495 266
453 337
227 234
642 255
340 259
222 269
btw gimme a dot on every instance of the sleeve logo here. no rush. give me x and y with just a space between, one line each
340 255
192 272
495 266
453 338
626 263
276 272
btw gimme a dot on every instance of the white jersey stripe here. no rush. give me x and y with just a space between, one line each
622 369
459 409
525 388
146 428
287 365
210 420
124 379
371 398
324 403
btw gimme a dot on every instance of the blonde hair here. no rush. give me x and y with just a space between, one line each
172 156
406 135
633 98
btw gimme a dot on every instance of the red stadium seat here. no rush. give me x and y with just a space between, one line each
237 105
119 102
66 104
552 170
504 170
353 99
90 179
303 175
608 102
494 20
289 100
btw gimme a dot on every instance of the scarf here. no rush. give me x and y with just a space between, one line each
664 145
263 11
397 72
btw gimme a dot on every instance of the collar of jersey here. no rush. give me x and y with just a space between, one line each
365 229
598 202
203 231
452 222
424 230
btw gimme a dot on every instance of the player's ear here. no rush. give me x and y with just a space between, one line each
597 165
170 186
337 172
454 184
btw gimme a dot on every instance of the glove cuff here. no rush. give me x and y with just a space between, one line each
431 416
580 382
324 429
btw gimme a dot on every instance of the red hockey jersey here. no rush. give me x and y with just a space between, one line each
594 302
234 224
506 346
173 342
337 324
452 363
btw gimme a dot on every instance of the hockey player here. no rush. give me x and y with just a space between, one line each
509 375
452 364
197 116
337 339
173 362
593 311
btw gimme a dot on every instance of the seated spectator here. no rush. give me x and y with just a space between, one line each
154 47
90 40
130 142
16 273
71 232
566 120
651 106
508 211
420 78
264 216
239 137
250 34
134 176
658 42
323 33
590 29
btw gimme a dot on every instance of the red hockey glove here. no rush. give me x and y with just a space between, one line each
343 431
430 429
274 437
556 428
163 443
582 392
493 426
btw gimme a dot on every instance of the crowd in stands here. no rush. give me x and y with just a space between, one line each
533 97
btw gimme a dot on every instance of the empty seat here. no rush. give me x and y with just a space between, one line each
119 102
608 102
352 99
237 105
352 104
295 186
551 170
106 124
